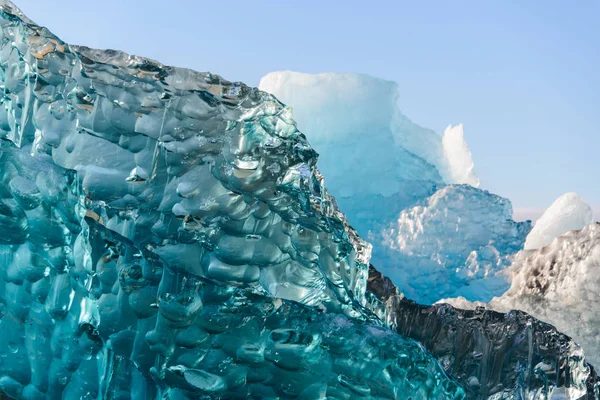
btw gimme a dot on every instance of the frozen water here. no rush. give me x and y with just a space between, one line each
559 284
354 123
568 212
360 113
459 240
458 156
166 234
434 240
494 355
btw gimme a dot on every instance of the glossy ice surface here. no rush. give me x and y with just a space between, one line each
166 234
410 191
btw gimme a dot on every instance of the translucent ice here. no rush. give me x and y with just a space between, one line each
568 212
494 355
166 234
458 241
359 113
402 203
351 117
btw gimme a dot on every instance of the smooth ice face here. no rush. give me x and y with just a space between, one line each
360 112
166 234
568 212
390 177
352 120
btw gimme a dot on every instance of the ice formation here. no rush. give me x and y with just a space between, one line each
493 355
559 284
458 156
166 234
569 212
403 203
461 226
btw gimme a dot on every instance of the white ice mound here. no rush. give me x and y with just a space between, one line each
560 284
458 156
569 212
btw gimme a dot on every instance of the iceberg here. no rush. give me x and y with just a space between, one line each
555 277
417 201
558 284
569 212
459 226
458 156
493 355
166 234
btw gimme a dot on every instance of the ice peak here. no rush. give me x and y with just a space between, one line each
568 212
458 156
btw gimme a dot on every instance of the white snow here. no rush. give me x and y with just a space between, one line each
568 212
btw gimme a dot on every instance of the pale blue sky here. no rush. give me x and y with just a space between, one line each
522 76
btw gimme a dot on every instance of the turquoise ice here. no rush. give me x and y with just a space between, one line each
166 234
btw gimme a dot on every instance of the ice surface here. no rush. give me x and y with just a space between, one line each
458 241
350 116
560 284
458 156
166 234
493 355
568 212
422 230
360 113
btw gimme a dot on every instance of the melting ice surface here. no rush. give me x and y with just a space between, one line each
166 234
409 190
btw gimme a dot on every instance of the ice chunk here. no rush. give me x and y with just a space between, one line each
459 240
354 110
354 123
494 355
568 212
165 233
559 284
458 155
402 203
